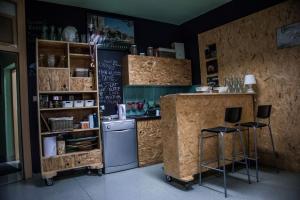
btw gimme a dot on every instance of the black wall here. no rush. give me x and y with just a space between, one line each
147 33
217 17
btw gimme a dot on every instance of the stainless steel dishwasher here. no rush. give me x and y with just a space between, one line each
119 145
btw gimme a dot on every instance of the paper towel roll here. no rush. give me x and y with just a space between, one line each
50 146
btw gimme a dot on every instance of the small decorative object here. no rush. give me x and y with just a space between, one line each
41 60
51 60
76 37
288 36
133 50
249 81
85 124
59 34
62 61
52 33
61 146
83 38
142 54
45 32
69 34
150 51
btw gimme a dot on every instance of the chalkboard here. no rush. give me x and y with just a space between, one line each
110 79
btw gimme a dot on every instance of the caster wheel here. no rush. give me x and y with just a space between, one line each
49 181
99 172
168 178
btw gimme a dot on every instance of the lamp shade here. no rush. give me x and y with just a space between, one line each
249 79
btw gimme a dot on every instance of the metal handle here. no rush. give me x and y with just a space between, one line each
121 131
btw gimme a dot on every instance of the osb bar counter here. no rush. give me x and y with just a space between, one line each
183 117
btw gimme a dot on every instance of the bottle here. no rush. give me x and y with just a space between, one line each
150 51
133 50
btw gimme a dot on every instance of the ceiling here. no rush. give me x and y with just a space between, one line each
169 11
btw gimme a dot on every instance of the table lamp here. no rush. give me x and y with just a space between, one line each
249 81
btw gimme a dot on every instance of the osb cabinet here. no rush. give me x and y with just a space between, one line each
149 70
150 150
65 75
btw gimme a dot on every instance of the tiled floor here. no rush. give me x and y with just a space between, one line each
148 184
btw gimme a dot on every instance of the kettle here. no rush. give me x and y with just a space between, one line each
122 111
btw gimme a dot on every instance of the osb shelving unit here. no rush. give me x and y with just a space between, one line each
59 81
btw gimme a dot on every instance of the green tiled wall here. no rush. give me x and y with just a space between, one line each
150 93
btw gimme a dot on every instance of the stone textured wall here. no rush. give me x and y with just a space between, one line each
248 45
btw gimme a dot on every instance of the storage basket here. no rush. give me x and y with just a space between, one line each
78 103
81 72
61 123
67 104
89 103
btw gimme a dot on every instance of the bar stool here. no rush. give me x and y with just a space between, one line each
232 116
263 113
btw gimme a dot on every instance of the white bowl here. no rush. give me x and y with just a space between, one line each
221 89
202 89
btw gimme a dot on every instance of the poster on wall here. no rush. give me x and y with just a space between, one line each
212 67
288 36
111 32
213 81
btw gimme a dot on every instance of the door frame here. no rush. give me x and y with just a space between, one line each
20 48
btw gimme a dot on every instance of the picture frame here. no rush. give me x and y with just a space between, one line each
110 32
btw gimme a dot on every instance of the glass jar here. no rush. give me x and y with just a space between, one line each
133 50
150 51
62 61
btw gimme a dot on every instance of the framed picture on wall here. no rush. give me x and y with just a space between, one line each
212 67
110 32
288 36
210 51
213 81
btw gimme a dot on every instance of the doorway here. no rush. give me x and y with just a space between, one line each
10 140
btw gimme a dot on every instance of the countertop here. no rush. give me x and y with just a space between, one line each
143 117
206 94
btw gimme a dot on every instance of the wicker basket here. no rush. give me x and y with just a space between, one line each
61 123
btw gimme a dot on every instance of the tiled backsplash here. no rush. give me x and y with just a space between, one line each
148 94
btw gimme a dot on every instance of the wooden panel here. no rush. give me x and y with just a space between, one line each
82 84
245 46
92 157
53 79
67 162
181 128
51 164
148 70
149 142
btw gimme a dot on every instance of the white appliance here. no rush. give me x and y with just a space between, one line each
122 111
179 50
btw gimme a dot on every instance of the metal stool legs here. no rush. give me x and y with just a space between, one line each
272 142
221 136
221 157
244 154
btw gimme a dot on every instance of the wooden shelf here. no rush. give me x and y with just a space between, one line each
43 67
52 81
80 55
70 131
73 108
67 92
70 154
210 59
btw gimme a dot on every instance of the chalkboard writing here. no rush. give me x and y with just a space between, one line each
110 79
